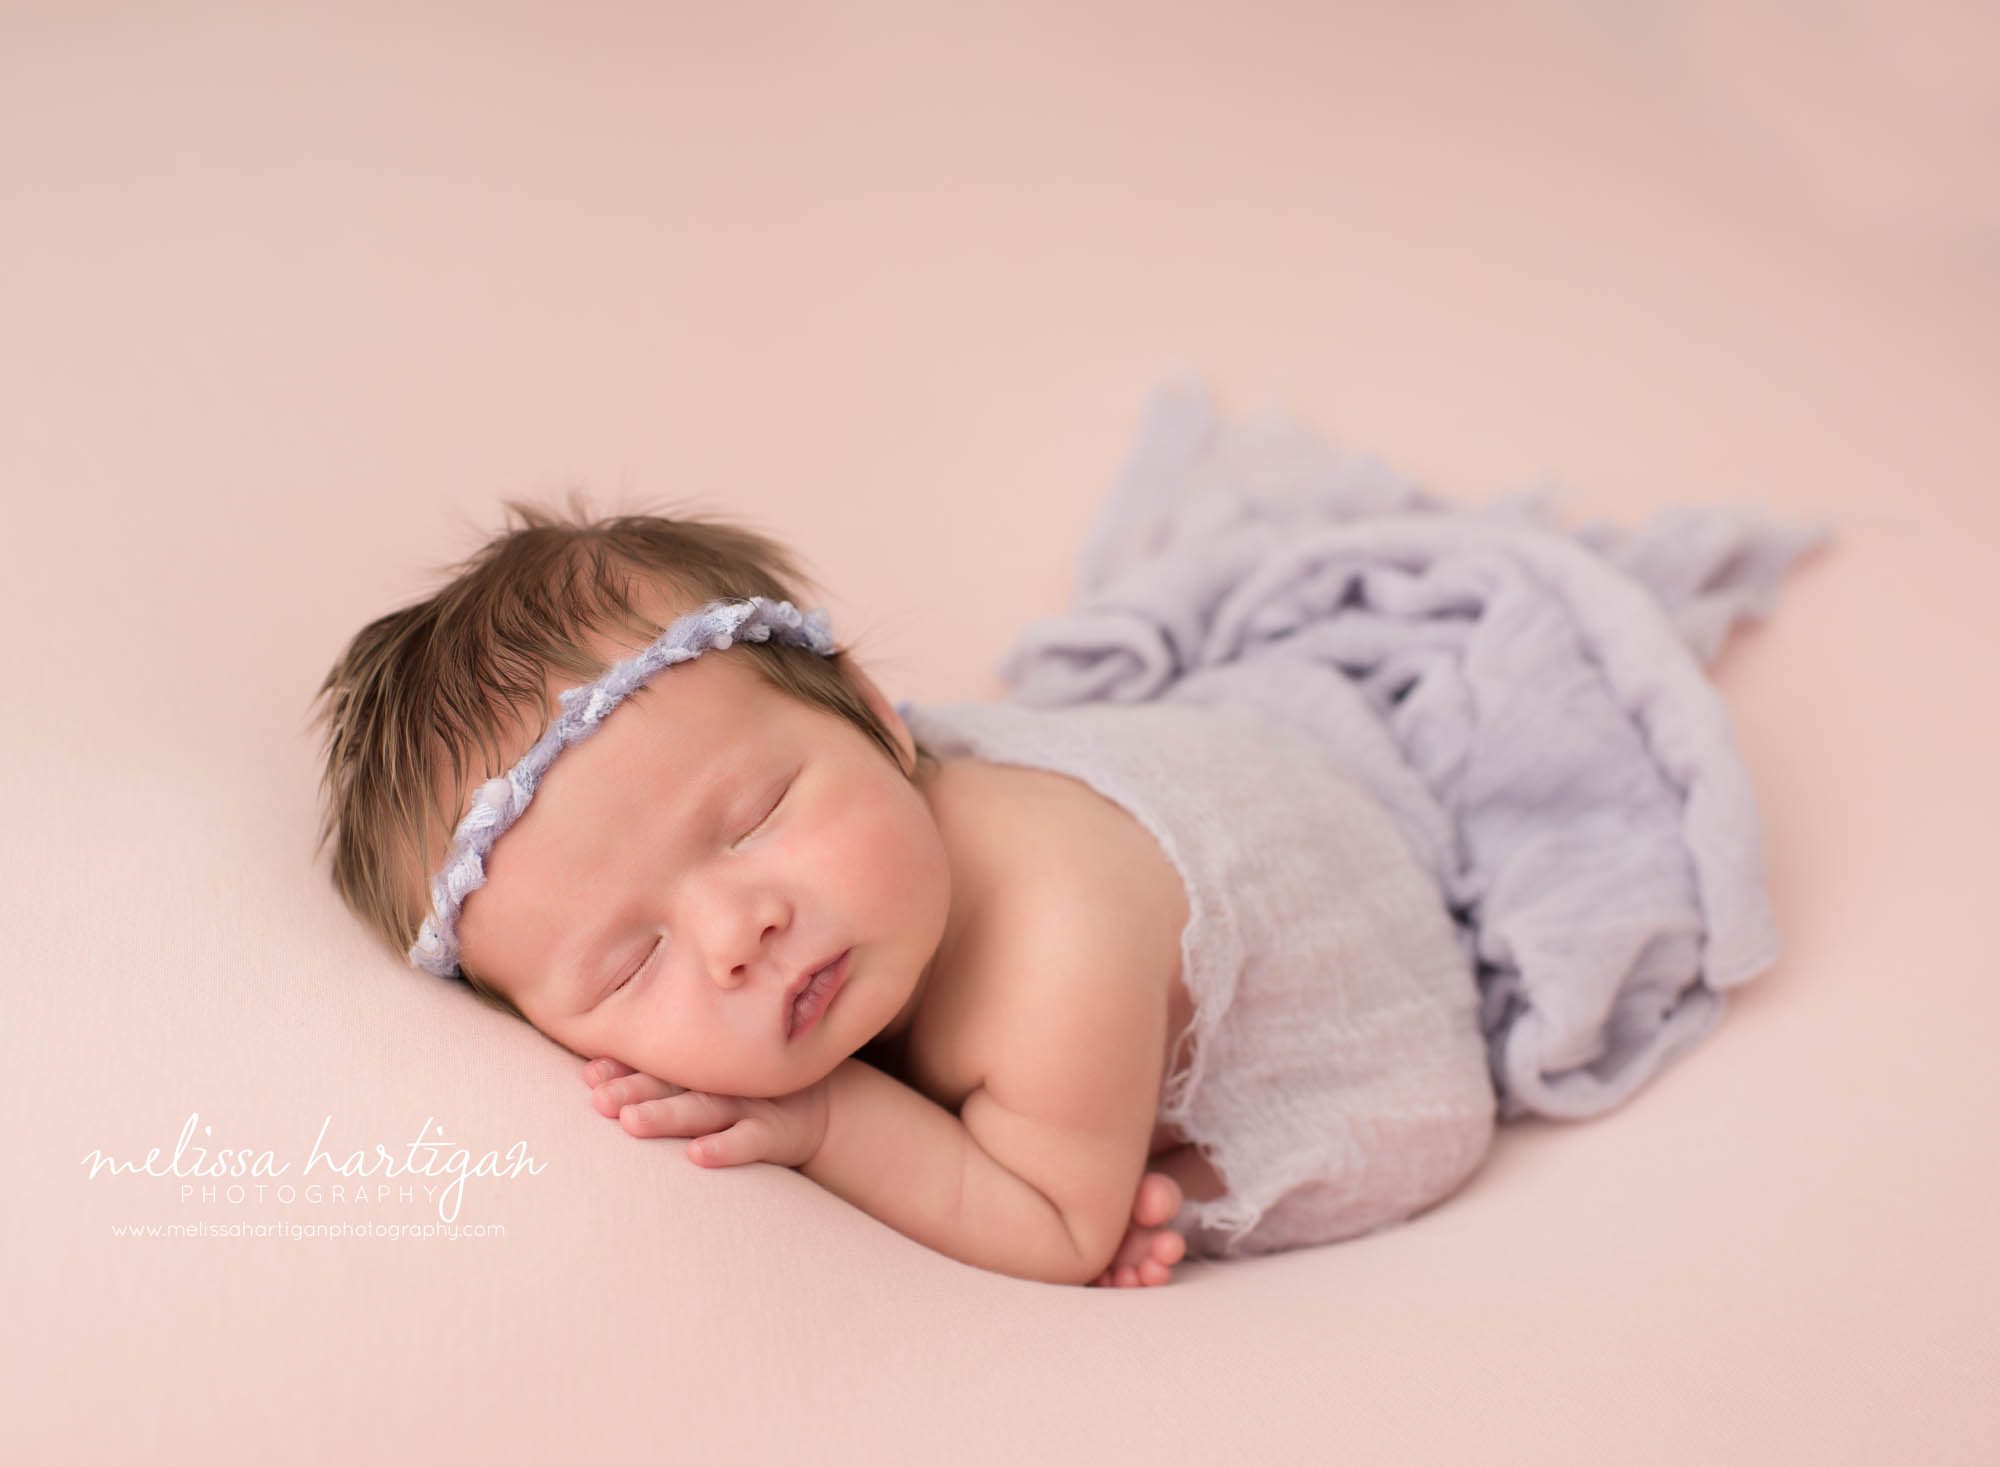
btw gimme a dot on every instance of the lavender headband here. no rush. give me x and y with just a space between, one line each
498 803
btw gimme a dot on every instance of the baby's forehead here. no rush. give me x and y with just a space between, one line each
697 710
716 699
719 692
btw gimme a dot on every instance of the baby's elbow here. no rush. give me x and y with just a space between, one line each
1075 1267
1082 1268
1094 1235
1054 1256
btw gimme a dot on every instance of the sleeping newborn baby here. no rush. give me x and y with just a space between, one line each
1061 994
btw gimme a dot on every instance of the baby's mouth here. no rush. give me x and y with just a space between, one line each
811 1000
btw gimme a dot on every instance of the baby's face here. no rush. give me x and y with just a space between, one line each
681 867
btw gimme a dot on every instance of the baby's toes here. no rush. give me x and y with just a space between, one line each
1135 1245
1159 1198
1169 1248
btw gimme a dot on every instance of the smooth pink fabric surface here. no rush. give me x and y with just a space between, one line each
292 299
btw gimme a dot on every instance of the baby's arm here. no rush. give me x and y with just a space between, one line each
903 1158
1145 1256
1036 1174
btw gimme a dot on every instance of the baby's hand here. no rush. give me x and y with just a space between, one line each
614 1086
729 1129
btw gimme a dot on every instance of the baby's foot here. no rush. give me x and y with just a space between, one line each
1150 1249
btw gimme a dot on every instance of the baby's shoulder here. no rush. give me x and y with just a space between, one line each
1078 931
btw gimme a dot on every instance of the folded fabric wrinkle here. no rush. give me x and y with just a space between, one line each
1528 702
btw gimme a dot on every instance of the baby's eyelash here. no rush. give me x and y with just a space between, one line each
642 965
768 813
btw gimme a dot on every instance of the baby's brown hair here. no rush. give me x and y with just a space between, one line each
419 691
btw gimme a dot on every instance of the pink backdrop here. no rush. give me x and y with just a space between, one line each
292 298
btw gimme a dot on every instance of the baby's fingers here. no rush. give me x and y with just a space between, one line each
597 1071
684 1113
726 1134
748 1140
631 1089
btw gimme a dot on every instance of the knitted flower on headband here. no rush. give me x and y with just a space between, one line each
499 802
